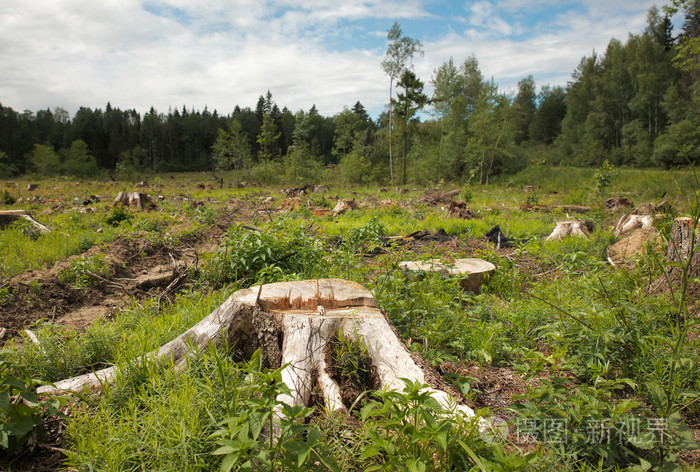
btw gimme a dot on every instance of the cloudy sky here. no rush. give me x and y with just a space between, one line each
220 53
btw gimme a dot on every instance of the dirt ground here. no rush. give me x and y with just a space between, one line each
139 269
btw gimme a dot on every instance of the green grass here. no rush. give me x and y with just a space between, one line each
73 233
554 310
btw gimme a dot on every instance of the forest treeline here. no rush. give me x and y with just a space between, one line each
635 104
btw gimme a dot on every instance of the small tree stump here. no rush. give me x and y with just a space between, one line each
631 245
459 210
135 199
570 228
473 271
292 324
682 250
7 217
344 205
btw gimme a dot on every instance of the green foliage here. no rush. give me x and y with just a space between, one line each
85 271
132 163
300 166
351 362
269 172
581 422
592 339
354 169
369 233
78 161
45 160
22 247
64 352
7 168
289 444
21 410
409 431
603 176
466 194
280 251
6 198
267 139
117 216
231 149
678 146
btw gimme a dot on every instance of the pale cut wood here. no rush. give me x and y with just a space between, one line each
563 229
310 314
134 199
473 271
344 205
630 222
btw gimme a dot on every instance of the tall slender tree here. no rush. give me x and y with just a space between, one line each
408 104
398 57
525 108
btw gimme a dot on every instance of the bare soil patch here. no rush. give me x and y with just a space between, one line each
140 268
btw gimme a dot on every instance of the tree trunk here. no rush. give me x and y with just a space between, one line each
405 146
391 161
683 253
292 324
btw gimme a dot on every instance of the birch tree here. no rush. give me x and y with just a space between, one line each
398 58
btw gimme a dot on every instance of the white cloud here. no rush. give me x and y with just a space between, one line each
218 53
484 16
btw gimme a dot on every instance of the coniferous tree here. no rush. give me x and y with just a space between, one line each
525 108
408 103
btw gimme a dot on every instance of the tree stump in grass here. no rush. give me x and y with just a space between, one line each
292 323
7 217
683 250
134 199
473 272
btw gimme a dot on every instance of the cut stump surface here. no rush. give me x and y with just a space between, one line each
474 271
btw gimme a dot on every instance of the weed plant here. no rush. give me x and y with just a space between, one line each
282 250
86 271
21 410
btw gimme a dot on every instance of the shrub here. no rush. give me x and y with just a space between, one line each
117 216
354 169
6 198
278 252
21 410
82 271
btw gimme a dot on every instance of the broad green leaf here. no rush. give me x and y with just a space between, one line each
416 465
303 455
223 450
4 401
256 421
658 396
229 461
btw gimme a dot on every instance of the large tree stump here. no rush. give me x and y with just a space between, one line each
472 271
292 324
